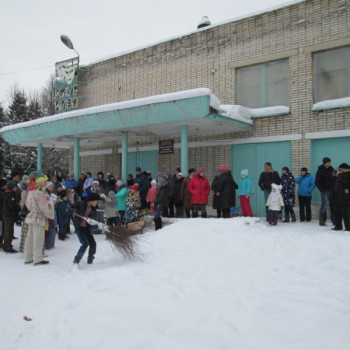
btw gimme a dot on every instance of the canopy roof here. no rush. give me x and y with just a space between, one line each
155 116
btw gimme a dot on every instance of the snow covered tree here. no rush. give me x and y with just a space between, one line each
18 109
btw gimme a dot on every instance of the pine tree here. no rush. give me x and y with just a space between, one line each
18 109
3 145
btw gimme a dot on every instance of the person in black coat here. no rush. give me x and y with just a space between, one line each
288 194
141 180
340 198
10 210
324 182
64 212
83 229
267 178
224 188
160 202
177 195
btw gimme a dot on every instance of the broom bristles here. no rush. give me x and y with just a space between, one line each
123 239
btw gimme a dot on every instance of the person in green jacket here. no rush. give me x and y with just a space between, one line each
121 196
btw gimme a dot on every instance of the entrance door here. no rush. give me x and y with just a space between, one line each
335 148
147 160
252 157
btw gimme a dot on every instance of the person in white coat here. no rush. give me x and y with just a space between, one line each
40 210
274 204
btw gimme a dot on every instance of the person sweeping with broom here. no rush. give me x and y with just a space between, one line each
120 238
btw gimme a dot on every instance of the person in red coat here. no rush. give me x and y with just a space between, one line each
199 188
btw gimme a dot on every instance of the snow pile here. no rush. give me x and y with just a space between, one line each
199 284
330 104
243 113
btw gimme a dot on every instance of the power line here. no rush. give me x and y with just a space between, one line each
26 70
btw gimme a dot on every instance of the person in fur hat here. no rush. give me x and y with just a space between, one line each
274 204
199 188
40 210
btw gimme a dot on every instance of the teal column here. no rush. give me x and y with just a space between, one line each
124 156
76 158
184 149
39 164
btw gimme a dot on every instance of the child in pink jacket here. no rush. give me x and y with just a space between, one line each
151 195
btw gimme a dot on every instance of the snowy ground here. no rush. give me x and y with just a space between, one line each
198 284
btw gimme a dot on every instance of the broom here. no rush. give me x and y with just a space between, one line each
121 238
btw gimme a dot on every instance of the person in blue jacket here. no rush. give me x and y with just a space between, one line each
121 196
306 186
71 183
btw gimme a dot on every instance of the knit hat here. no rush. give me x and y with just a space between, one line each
95 182
200 170
23 185
326 160
303 169
277 187
179 174
48 184
223 167
162 181
11 185
93 197
135 187
138 169
38 176
119 183
153 182
111 193
343 166
244 172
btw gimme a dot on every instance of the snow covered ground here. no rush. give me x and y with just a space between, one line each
198 284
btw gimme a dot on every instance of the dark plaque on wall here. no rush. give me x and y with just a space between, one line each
166 146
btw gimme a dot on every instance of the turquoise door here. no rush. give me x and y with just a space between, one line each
252 157
147 160
337 149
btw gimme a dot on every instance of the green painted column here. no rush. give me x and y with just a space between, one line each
76 158
39 164
125 156
184 149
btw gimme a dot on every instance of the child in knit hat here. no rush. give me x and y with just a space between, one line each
274 204
244 191
151 195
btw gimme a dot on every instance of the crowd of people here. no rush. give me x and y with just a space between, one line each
46 209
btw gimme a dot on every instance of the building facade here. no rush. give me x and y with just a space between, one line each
294 56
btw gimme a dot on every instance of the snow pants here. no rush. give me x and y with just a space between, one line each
272 216
33 249
246 209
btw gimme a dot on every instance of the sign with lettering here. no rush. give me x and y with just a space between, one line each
166 147
66 85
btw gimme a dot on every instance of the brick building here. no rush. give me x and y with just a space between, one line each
286 69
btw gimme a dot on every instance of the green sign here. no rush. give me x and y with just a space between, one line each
66 85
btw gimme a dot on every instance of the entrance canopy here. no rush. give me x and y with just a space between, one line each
150 117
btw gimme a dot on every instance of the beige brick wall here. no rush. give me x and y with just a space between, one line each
209 58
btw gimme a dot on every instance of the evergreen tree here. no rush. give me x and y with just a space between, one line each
18 109
3 144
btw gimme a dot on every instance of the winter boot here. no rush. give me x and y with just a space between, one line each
292 214
158 223
322 221
76 261
286 218
90 259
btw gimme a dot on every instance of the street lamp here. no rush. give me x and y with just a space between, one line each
66 41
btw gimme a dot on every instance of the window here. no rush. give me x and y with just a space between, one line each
264 85
332 74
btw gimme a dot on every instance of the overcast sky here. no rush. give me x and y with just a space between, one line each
30 30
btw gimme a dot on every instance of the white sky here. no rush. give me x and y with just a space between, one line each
30 30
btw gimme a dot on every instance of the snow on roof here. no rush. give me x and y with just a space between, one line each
175 96
330 104
235 19
243 113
